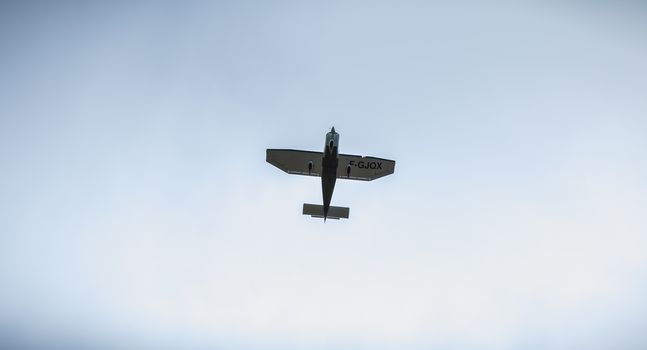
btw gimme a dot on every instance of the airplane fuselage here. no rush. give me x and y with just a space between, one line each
330 161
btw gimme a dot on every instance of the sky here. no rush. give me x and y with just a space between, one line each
137 210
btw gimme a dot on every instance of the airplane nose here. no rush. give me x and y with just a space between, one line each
333 129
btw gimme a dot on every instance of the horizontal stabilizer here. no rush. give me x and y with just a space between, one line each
316 211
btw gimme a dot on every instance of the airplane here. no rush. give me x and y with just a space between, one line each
330 166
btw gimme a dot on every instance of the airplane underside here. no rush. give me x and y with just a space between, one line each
330 166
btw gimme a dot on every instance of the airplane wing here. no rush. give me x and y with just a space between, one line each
363 168
295 162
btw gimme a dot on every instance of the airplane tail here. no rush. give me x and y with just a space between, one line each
316 211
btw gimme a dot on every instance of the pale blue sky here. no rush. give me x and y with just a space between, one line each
137 209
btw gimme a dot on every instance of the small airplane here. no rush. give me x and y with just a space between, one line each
330 166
